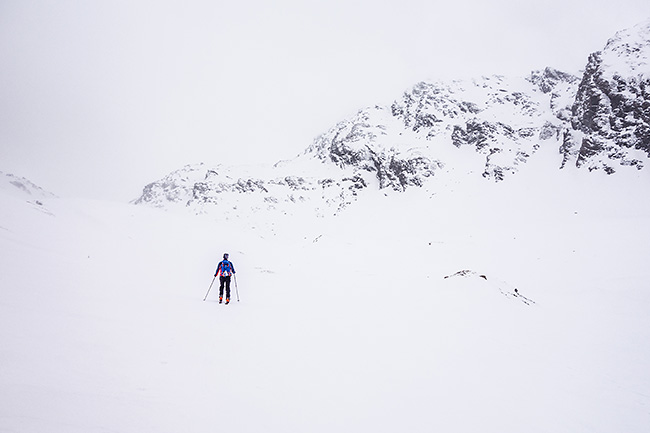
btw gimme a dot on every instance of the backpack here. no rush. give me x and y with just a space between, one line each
226 268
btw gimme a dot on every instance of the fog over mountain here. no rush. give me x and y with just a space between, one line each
599 121
90 90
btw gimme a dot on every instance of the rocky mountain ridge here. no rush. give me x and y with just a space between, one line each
22 189
203 188
600 121
610 123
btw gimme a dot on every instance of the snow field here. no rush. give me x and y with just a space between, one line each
345 323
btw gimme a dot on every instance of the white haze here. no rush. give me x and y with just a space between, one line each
99 98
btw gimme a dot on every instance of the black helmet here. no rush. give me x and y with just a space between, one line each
225 255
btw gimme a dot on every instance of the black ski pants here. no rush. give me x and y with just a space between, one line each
224 281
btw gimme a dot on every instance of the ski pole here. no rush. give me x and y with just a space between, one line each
206 295
236 289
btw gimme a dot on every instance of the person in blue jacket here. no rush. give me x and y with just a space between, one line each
225 269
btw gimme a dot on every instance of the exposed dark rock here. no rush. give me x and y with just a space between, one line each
548 79
481 134
352 144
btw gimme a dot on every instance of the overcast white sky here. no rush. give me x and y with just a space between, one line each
98 98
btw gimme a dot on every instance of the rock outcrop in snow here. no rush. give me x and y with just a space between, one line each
503 287
365 144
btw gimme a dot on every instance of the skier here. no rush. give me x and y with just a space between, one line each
225 269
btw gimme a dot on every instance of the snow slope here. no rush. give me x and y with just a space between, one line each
346 323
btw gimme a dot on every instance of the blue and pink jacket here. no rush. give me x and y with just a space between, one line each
225 268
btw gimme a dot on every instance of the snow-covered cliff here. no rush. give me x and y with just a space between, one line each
611 112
